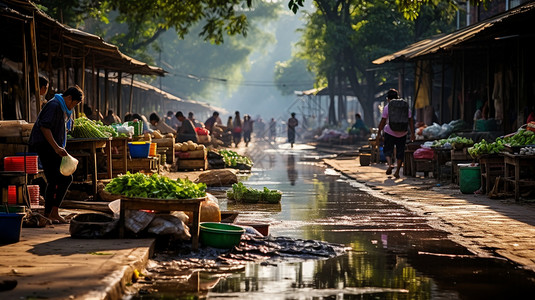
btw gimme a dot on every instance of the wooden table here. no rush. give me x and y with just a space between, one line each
513 163
121 143
92 145
193 205
492 166
441 157
376 155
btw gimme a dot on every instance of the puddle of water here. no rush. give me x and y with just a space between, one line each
395 253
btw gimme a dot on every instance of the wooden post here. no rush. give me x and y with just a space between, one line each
119 78
131 94
82 84
26 75
97 108
35 68
93 84
106 99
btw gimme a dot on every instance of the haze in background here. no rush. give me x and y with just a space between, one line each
238 74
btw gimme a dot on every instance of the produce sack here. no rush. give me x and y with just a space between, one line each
424 153
137 220
209 210
169 225
68 165
93 226
218 177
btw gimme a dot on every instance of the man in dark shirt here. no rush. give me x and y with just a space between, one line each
186 132
209 124
48 139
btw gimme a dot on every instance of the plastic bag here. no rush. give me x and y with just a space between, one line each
126 129
68 165
424 153
93 226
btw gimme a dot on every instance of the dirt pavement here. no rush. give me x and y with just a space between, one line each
487 227
48 264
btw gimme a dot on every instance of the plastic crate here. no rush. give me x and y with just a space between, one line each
139 149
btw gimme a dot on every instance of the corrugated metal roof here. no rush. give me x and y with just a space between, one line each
104 55
470 33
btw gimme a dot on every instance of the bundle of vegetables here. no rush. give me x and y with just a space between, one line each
107 129
85 128
457 140
250 195
232 159
155 186
485 147
521 138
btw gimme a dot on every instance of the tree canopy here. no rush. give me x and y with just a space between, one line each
343 37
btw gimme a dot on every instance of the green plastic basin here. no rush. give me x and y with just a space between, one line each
220 235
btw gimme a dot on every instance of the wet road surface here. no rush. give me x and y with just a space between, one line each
395 253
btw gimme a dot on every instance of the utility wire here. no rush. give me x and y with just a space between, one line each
242 83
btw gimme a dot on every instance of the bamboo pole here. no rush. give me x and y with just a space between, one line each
25 74
119 82
131 94
106 99
35 68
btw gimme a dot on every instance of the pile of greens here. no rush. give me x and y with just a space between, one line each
452 140
85 128
521 138
155 186
250 195
232 159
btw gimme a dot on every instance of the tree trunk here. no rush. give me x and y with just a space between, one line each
332 113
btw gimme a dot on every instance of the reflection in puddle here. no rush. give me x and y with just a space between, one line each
395 253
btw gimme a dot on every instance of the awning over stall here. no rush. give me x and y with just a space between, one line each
502 26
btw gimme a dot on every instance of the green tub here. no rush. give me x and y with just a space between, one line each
218 235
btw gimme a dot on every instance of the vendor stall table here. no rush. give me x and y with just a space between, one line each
120 160
193 205
513 174
441 157
458 157
376 155
92 145
492 166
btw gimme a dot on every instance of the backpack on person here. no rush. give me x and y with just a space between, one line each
398 114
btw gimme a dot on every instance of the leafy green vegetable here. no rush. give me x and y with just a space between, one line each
250 195
155 186
232 159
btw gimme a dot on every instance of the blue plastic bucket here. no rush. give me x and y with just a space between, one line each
10 227
139 149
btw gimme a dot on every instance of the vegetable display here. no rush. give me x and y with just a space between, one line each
250 195
232 159
521 138
155 186
85 128
452 141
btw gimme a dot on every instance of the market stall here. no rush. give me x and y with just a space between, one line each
80 147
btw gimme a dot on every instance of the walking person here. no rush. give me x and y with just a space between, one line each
292 123
247 129
237 129
272 129
394 121
48 138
